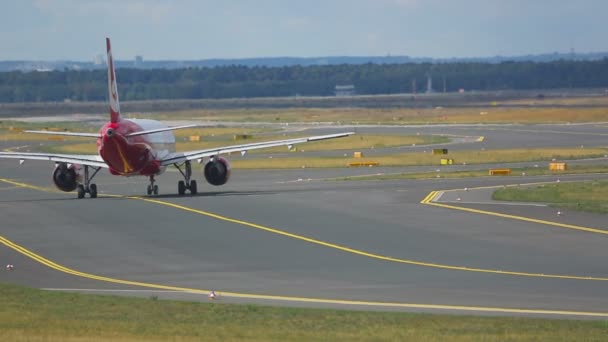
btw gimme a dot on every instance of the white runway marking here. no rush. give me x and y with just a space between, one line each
437 198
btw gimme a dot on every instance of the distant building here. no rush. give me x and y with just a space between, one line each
429 84
345 90
139 61
98 60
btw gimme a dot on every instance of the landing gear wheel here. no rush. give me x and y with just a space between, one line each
181 188
87 187
152 188
80 190
187 183
93 190
193 188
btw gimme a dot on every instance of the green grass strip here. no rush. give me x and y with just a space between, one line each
35 315
589 196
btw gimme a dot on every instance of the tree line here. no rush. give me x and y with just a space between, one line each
244 82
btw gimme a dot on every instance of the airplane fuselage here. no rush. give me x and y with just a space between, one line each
134 155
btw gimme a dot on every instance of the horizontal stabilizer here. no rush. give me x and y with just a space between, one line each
151 131
69 134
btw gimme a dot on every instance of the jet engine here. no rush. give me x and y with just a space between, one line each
67 178
217 171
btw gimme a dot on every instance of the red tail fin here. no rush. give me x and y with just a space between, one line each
112 88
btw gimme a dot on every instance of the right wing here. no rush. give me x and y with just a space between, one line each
180 157
83 159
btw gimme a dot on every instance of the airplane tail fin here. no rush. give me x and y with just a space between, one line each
112 88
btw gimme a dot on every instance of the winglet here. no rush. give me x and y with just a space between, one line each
112 88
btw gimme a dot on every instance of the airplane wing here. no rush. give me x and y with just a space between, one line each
83 159
180 157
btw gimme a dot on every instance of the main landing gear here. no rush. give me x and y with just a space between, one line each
87 187
152 188
186 184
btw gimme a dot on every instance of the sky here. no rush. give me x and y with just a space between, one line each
191 29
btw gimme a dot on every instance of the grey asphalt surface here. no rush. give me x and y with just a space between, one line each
146 242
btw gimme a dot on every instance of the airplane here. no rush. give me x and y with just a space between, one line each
141 147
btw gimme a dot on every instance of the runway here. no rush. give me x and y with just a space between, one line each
265 238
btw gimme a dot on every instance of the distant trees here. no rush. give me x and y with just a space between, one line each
240 81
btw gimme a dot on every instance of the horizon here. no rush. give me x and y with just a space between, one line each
561 53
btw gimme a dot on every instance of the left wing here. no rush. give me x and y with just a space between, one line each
179 157
83 159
